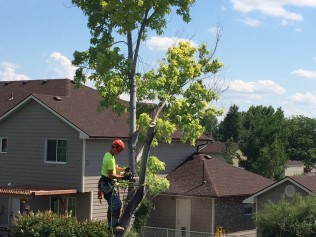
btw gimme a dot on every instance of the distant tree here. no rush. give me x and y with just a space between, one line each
302 140
230 152
210 123
263 140
229 127
288 218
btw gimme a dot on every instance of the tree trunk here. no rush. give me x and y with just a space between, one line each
138 196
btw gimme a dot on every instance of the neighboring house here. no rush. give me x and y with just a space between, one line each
294 167
218 149
52 140
206 193
285 188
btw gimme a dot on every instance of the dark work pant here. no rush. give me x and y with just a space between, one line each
114 203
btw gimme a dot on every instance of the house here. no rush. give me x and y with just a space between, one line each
285 188
294 167
52 140
218 149
206 193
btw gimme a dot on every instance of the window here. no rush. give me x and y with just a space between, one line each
248 209
3 145
56 151
60 205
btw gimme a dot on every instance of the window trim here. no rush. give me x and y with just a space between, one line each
247 207
56 160
1 144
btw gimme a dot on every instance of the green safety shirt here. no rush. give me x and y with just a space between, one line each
108 164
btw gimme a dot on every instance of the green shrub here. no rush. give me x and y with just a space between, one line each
141 214
288 218
48 224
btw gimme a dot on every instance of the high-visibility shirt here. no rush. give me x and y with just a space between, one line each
108 164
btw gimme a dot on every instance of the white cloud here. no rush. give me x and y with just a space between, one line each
275 8
163 43
250 21
60 66
256 88
304 74
305 99
300 104
245 94
8 73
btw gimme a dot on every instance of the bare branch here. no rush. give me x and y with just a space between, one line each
218 34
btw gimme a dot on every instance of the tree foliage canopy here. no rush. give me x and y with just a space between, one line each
229 128
302 140
263 140
117 28
176 87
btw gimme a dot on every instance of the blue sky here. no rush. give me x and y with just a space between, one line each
268 47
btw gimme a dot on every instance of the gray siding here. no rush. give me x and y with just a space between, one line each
276 194
172 154
164 213
24 163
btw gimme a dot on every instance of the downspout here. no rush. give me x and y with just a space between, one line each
213 216
83 164
203 171
198 149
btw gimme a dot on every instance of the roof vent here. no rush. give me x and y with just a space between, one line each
44 82
57 98
24 82
6 83
11 97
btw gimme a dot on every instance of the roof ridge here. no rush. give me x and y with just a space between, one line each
212 184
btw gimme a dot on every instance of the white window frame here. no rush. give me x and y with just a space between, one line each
56 158
4 145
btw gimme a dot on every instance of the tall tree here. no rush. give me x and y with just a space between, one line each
263 140
229 127
302 140
211 126
120 26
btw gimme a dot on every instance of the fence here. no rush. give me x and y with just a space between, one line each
149 231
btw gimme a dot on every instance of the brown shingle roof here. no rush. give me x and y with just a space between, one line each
31 190
308 181
77 106
201 175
